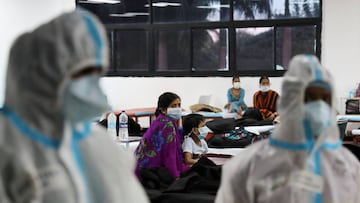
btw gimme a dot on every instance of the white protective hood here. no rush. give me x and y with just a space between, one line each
303 69
36 78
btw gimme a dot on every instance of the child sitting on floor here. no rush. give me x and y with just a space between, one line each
194 131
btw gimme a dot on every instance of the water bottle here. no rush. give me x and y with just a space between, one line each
123 127
111 125
351 94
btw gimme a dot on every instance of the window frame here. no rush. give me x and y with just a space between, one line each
231 25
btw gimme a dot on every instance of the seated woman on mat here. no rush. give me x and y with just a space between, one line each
160 146
194 131
265 99
235 97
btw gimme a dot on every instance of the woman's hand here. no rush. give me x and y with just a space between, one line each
188 159
239 111
276 120
271 117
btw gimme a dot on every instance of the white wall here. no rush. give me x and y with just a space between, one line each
133 92
340 53
20 16
341 44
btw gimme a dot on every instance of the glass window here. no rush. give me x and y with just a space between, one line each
118 11
291 41
130 50
210 50
252 9
254 48
190 11
172 50
207 37
274 9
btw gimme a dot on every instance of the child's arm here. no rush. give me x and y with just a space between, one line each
188 158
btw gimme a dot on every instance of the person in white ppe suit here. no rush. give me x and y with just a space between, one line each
49 150
303 161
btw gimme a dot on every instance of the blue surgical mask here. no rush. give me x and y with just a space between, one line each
203 132
318 115
174 113
84 99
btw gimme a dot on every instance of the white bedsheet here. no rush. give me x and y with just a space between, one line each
258 129
131 146
226 151
354 117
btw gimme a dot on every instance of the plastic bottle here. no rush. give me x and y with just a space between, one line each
123 127
111 125
351 94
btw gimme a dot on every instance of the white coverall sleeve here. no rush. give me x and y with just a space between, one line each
232 187
3 196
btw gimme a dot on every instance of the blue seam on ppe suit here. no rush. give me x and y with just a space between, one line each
28 131
95 37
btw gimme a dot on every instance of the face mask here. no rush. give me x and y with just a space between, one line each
236 85
264 88
174 113
84 100
203 132
318 115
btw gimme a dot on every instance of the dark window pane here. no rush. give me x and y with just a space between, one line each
274 9
172 50
291 41
190 11
130 50
210 49
118 11
254 48
111 50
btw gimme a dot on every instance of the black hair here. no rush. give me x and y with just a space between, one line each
263 78
235 77
164 101
191 121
